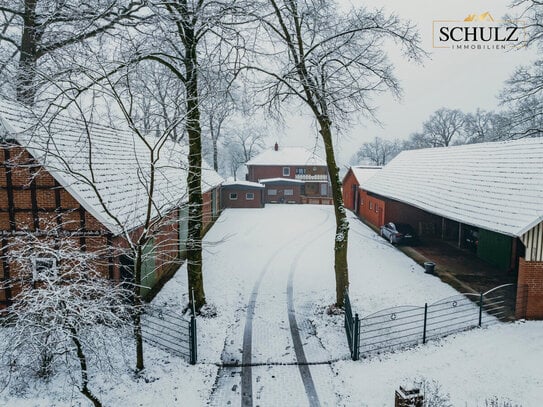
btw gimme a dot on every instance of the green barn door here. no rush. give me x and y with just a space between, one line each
495 248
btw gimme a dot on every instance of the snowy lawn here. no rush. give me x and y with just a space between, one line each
273 243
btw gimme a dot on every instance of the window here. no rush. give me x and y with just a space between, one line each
43 266
300 171
233 196
361 202
289 192
272 191
371 205
286 171
249 196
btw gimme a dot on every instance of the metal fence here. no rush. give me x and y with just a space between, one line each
352 328
405 326
170 332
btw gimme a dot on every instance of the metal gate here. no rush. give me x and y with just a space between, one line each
170 332
405 326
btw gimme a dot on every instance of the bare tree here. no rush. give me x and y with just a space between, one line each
64 309
244 145
33 30
158 99
379 151
187 29
443 127
484 126
218 106
332 63
523 91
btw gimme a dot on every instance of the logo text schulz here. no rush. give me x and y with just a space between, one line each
477 32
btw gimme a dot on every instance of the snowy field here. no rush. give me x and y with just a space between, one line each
259 260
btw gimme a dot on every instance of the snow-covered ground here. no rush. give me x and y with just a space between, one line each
259 259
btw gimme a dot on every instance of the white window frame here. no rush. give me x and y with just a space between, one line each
51 266
286 171
272 192
249 196
233 196
289 192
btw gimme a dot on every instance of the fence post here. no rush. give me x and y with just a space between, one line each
480 309
425 318
356 337
193 341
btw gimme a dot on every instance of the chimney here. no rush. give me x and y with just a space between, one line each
276 148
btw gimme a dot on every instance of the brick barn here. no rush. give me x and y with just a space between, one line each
490 190
294 170
90 183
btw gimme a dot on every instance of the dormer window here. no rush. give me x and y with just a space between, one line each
286 171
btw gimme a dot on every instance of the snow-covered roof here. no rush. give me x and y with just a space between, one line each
281 181
107 170
287 156
496 186
247 184
364 172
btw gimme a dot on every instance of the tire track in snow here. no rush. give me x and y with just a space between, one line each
303 366
246 371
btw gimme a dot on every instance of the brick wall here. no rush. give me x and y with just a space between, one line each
31 200
241 201
349 192
530 289
280 196
372 208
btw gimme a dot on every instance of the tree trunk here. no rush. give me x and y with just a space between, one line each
83 366
215 154
138 337
26 88
194 238
342 224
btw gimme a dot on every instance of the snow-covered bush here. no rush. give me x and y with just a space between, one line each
64 312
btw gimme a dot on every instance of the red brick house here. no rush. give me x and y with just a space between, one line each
91 183
492 189
242 194
296 164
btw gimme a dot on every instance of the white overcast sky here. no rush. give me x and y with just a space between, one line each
449 78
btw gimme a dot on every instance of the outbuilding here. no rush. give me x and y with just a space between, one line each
489 193
242 194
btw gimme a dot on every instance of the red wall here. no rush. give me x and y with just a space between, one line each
372 208
530 289
281 197
242 201
349 181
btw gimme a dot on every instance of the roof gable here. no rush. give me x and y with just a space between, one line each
496 186
364 172
287 156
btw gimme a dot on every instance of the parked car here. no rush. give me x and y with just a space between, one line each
397 233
